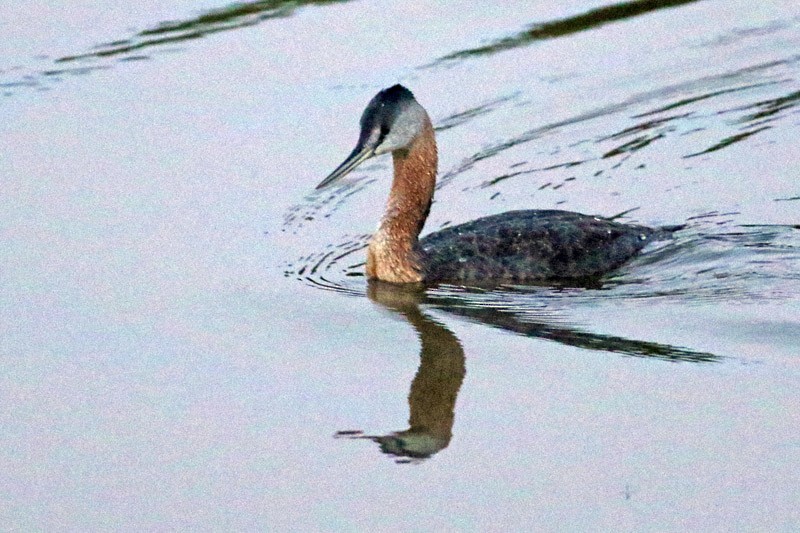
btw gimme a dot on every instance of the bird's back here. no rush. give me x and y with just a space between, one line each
530 246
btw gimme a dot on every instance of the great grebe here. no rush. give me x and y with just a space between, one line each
517 246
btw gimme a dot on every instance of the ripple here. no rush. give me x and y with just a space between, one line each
162 37
732 263
323 204
567 26
716 105
712 260
338 267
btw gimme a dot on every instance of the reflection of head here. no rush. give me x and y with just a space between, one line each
412 444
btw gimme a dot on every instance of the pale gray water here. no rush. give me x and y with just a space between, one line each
184 330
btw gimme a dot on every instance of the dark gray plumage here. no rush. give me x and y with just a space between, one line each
530 246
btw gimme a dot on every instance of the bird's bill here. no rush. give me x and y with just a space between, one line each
359 155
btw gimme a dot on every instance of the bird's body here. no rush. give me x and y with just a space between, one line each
517 246
531 246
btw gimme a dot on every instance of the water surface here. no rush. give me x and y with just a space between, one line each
187 339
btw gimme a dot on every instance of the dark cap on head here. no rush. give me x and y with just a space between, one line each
384 108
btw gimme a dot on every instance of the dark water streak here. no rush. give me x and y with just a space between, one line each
564 27
233 17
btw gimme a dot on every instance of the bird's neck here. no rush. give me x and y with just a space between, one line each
392 252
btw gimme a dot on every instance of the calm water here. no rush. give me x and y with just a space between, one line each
187 340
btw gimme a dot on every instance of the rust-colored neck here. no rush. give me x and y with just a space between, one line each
392 252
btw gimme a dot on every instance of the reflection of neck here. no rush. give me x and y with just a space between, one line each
432 398
391 255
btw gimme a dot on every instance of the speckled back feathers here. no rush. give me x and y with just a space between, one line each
530 246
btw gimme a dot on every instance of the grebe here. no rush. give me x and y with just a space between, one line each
517 246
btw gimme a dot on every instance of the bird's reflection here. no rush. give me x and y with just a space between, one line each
432 398
433 393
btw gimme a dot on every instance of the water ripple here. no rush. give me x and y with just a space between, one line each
142 44
566 26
